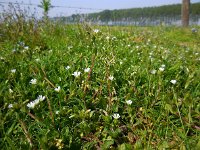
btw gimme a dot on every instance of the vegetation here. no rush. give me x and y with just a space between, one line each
46 4
167 11
93 87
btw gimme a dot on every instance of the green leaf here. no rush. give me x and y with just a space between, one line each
107 144
11 128
125 146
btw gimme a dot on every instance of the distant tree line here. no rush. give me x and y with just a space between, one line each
162 13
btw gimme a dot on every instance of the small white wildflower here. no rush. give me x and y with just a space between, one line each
33 81
86 69
129 102
161 69
70 47
35 102
37 60
162 66
137 47
10 106
13 70
76 74
153 71
116 116
107 38
26 48
57 112
96 30
41 98
67 68
114 38
10 91
32 104
173 81
110 78
129 45
57 89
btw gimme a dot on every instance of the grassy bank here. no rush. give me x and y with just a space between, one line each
91 87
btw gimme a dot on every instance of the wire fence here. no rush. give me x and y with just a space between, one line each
143 17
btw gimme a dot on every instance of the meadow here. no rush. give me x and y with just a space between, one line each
98 87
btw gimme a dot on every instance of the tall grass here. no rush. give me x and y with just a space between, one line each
92 87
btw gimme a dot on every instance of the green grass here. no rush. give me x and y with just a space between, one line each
162 115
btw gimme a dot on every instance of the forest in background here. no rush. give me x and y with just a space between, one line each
168 14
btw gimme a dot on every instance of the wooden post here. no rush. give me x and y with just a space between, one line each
185 12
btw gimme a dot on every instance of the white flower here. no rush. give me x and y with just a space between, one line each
161 69
57 112
41 98
116 116
162 66
26 48
32 104
86 69
153 71
33 81
57 89
129 102
70 47
107 38
96 30
76 74
120 62
67 68
114 38
10 106
173 81
10 91
13 70
110 78
35 102
37 59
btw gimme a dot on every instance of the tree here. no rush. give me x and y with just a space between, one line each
185 12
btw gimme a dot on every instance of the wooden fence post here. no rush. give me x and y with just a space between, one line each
185 12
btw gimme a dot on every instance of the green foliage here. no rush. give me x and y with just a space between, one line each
160 12
46 5
141 90
147 12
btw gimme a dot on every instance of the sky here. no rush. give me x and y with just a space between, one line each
70 7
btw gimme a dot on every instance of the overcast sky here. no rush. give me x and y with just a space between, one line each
87 6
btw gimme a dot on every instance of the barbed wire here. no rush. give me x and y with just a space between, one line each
52 6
